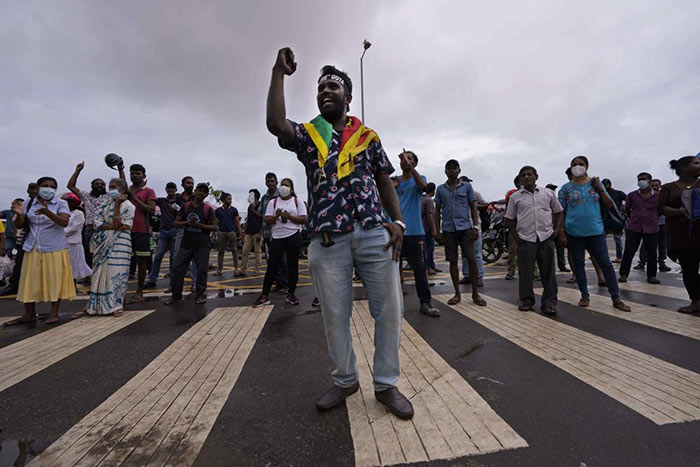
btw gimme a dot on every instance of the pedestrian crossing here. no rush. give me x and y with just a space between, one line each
660 391
29 356
655 317
451 419
164 414
656 289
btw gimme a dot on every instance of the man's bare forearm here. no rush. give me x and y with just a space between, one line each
277 122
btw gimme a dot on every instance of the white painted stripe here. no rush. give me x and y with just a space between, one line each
657 289
658 390
29 356
666 320
451 419
5 319
164 414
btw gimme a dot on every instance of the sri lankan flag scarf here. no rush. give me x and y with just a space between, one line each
355 139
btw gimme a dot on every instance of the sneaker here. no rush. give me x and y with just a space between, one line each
429 310
664 268
653 280
465 280
622 279
510 277
261 301
640 267
437 270
149 285
279 289
315 302
292 299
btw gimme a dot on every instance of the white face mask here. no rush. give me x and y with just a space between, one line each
285 191
251 198
643 184
578 171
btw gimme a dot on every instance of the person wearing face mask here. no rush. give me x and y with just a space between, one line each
253 233
229 232
111 247
46 272
581 199
93 201
656 186
641 207
271 184
286 214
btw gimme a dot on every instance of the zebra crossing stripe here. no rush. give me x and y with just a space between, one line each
22 359
164 414
451 419
655 317
658 390
5 319
656 289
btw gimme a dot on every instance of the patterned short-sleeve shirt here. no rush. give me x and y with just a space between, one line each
334 205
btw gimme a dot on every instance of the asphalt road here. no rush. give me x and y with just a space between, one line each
266 416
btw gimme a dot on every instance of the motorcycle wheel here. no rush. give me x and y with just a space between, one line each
491 251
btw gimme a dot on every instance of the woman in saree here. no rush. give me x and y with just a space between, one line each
111 253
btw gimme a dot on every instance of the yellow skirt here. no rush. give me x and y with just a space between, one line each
46 277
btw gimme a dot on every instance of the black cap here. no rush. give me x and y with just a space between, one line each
552 186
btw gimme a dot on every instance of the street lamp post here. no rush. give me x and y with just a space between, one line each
366 45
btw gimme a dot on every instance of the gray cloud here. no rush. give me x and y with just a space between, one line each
180 86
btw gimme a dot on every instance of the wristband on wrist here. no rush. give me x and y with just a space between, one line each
401 224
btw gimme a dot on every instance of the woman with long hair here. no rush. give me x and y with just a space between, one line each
581 199
682 236
287 215
111 253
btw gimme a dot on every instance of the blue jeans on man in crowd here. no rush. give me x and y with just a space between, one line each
166 242
429 250
598 247
332 272
618 245
478 256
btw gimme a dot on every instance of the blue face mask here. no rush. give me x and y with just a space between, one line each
113 193
643 184
47 193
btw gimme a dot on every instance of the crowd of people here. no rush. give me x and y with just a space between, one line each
361 222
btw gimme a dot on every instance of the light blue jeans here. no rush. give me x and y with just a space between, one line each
478 256
332 271
166 243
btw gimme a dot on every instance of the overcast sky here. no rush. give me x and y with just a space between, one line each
180 86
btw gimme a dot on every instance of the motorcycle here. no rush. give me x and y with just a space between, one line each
495 243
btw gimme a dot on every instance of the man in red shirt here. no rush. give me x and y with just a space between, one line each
144 199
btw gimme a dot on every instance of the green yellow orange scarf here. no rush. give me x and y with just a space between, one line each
356 137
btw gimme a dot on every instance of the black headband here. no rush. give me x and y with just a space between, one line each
334 77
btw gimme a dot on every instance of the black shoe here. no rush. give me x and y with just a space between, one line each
524 307
335 396
480 283
395 402
465 280
664 268
315 302
510 277
653 280
549 311
640 267
429 310
564 269
622 279
149 285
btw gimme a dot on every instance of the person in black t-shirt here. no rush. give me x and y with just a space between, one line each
253 233
198 220
168 208
618 198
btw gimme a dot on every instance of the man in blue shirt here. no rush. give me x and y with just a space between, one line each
410 191
454 200
229 226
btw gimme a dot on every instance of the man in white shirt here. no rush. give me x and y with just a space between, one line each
534 217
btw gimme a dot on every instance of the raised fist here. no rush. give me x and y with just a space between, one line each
285 61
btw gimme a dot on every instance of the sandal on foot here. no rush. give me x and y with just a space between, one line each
53 320
479 301
80 314
683 309
136 299
454 300
584 302
118 313
622 306
201 300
